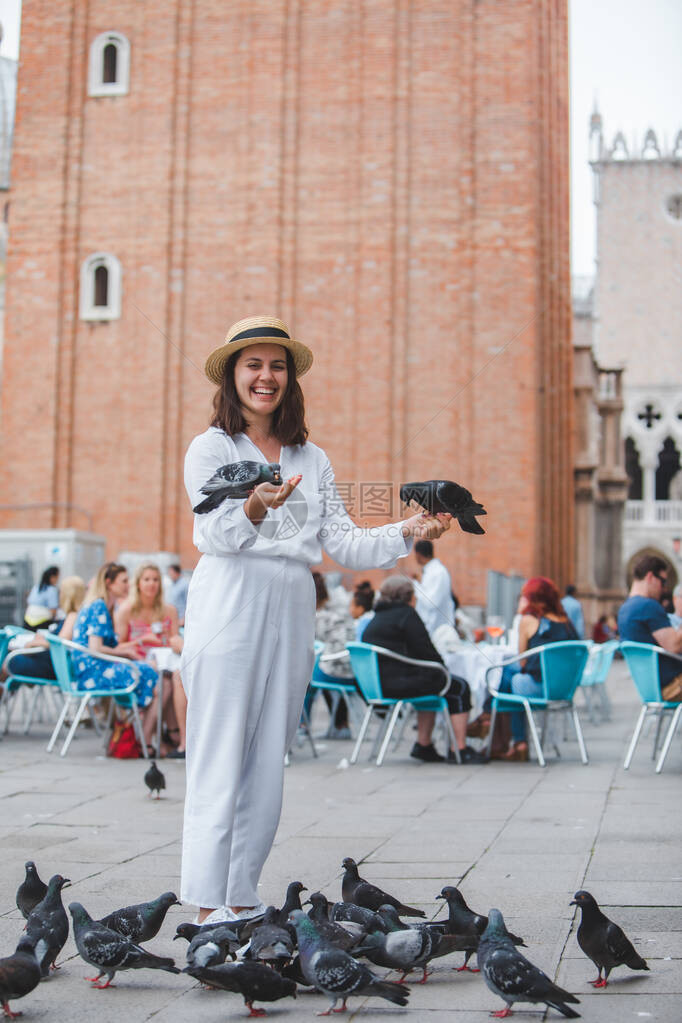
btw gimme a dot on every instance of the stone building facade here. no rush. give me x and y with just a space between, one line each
638 325
389 178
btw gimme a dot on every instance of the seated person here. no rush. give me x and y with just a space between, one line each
643 620
543 620
397 626
362 607
43 601
676 616
334 627
33 660
94 628
144 618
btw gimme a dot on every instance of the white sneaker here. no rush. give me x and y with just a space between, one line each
224 914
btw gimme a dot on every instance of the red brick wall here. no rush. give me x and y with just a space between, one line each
391 178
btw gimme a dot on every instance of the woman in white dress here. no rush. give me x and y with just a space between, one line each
250 620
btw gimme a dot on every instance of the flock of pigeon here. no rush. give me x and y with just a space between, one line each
272 955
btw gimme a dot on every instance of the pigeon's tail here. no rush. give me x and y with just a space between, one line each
469 524
211 502
396 993
157 963
635 962
409 911
564 1009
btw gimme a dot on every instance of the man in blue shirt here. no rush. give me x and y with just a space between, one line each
177 593
643 620
572 607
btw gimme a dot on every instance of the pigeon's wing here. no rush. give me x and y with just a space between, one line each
236 475
128 922
421 493
510 973
372 897
103 947
452 496
335 971
619 946
406 947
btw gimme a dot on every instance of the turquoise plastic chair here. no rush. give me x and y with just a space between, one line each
341 688
14 684
643 661
562 666
365 663
61 651
593 681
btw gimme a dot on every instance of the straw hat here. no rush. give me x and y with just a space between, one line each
256 330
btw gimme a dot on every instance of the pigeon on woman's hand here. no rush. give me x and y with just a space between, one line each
355 889
20 973
444 496
335 973
602 941
253 981
49 922
512 977
467 925
31 891
141 922
109 951
155 780
236 480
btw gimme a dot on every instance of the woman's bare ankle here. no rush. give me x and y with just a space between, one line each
203 913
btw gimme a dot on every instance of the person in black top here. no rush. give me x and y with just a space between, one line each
397 626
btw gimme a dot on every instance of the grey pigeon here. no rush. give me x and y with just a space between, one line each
407 949
512 977
155 780
355 889
602 941
335 973
242 928
467 925
343 935
349 912
20 973
253 981
31 891
388 916
109 951
210 948
141 922
292 901
440 496
48 922
237 479
270 943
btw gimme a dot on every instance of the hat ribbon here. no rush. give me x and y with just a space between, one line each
260 332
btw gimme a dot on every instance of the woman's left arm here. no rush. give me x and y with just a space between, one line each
357 547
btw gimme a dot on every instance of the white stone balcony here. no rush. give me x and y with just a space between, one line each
654 513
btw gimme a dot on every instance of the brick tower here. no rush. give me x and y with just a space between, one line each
389 178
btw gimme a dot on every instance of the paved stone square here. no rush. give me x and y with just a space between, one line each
513 836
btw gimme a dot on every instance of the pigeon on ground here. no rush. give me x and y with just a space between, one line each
253 981
388 916
343 912
344 934
355 889
335 973
49 922
237 479
602 941
210 948
291 902
110 951
467 925
154 780
20 973
511 976
440 496
407 948
31 891
141 922
270 943
242 928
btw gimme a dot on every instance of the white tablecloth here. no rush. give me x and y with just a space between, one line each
164 659
471 661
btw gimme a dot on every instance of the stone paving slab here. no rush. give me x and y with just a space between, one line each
511 835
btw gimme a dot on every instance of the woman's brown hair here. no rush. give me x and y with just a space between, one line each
288 420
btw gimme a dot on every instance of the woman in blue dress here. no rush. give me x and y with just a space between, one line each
94 629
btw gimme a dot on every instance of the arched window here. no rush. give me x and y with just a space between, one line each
668 466
100 287
109 67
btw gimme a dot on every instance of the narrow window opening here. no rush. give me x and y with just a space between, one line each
633 470
668 467
109 63
101 287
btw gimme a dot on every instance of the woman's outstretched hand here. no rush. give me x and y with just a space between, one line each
267 495
426 527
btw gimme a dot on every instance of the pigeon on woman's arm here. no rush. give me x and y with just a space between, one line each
335 973
443 496
355 889
514 978
602 941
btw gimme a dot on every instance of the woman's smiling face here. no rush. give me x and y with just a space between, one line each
260 378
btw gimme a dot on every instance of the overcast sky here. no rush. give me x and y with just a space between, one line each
624 53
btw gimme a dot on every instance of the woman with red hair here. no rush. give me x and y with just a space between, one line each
543 620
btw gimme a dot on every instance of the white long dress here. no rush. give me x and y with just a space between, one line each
248 655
